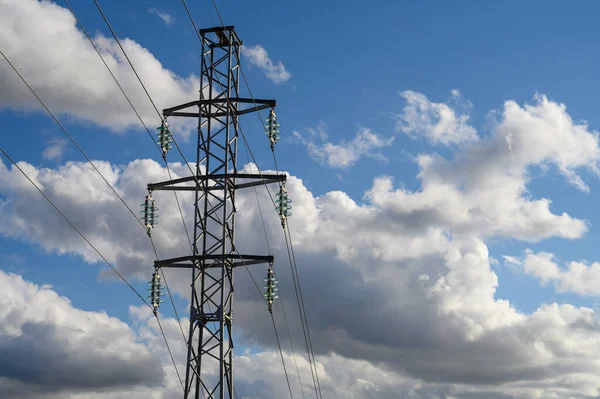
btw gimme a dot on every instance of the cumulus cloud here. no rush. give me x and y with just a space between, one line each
259 57
439 123
42 40
434 291
55 149
166 17
50 350
47 345
346 153
428 273
578 277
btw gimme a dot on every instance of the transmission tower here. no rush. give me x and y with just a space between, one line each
209 371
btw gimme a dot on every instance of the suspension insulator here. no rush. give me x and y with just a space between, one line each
164 138
282 203
270 288
155 291
272 128
149 214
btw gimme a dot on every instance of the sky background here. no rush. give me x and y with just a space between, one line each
443 161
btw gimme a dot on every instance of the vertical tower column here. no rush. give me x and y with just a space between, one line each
209 368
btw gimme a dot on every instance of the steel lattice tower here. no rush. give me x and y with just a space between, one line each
214 257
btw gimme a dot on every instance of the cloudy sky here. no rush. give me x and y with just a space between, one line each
443 162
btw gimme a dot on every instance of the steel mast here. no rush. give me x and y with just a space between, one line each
214 255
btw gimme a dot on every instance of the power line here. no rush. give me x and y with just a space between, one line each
293 258
153 141
281 354
67 133
97 252
300 300
147 93
127 57
261 215
111 73
218 13
101 175
81 150
141 83
280 295
91 163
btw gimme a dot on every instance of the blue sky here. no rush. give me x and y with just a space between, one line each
353 70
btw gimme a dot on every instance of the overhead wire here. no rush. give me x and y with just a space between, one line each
294 269
79 147
159 114
90 162
154 142
293 259
97 252
262 219
293 263
161 117
280 295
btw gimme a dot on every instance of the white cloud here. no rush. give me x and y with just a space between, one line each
41 39
166 17
439 123
431 289
48 345
55 149
578 277
133 361
259 57
512 260
344 154
51 350
428 273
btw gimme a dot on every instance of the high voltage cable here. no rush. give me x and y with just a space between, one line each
160 116
263 223
85 155
165 161
97 252
293 263
152 138
280 295
218 13
162 119
99 173
143 86
295 266
110 71
300 300
67 133
127 57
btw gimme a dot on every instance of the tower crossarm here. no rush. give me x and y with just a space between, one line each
218 107
212 261
231 179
